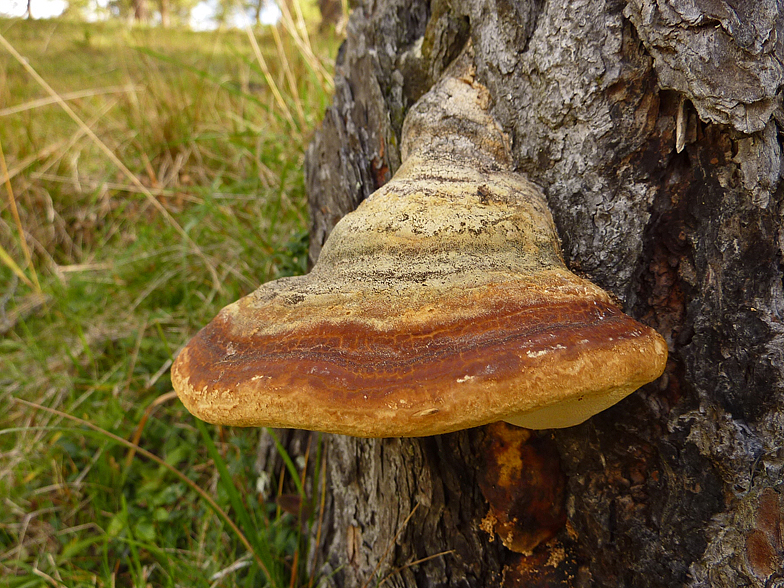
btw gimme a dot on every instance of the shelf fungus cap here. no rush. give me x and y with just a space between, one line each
441 303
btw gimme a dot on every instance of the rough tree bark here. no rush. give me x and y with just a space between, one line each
654 130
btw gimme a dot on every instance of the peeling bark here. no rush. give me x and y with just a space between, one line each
726 57
681 484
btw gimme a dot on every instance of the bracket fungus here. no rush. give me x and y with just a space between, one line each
441 303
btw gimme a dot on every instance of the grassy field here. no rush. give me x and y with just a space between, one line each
173 187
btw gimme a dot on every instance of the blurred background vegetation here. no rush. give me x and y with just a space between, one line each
196 14
149 176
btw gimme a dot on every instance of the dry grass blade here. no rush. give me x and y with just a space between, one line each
413 563
325 79
94 185
294 569
18 221
217 577
344 6
389 547
115 160
195 487
69 96
12 265
289 75
301 26
270 81
137 434
48 578
84 267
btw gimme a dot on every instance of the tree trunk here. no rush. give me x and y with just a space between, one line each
331 13
653 130
165 14
140 10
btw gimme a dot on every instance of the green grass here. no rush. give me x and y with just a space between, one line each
128 268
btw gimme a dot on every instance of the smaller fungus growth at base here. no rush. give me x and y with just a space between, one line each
441 303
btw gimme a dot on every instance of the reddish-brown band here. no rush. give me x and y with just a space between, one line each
349 356
344 370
